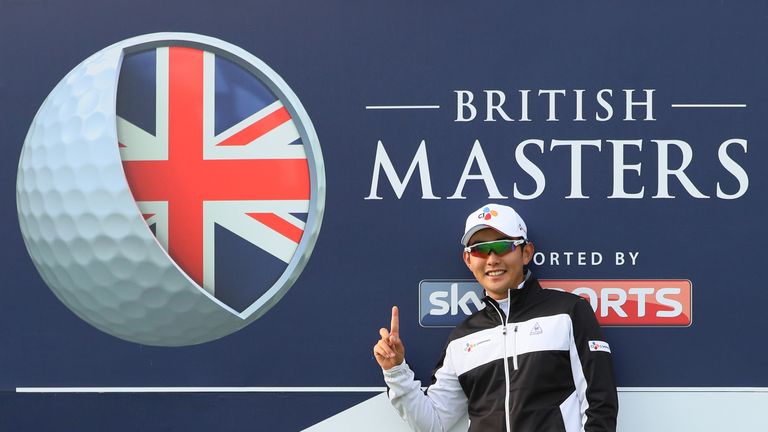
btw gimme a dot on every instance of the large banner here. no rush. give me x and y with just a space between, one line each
212 207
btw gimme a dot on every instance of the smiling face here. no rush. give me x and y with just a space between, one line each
498 274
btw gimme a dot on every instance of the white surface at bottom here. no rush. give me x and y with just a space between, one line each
640 410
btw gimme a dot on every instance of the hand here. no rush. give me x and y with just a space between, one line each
389 350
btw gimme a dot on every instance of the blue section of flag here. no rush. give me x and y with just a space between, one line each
243 271
238 94
300 216
136 89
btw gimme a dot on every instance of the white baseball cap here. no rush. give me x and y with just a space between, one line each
502 218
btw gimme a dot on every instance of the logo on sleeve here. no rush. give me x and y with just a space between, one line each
599 346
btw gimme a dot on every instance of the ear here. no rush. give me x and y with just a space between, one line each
528 251
466 260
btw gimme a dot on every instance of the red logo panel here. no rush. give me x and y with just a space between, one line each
627 302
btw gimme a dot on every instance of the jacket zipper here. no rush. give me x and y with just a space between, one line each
514 349
506 365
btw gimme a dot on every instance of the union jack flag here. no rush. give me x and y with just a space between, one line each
217 167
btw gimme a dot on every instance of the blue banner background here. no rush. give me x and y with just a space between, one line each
339 57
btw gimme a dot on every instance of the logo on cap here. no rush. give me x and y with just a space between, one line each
487 214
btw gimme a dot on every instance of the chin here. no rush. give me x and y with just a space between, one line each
497 292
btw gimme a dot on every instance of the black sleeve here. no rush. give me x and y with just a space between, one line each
596 382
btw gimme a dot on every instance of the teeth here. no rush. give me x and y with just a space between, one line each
495 272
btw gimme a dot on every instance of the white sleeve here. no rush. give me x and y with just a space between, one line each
436 411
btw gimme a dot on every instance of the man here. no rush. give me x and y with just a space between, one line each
532 360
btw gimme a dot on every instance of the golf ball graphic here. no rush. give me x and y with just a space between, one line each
170 189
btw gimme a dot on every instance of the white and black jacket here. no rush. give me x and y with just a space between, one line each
544 368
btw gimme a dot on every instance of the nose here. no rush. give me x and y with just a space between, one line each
492 257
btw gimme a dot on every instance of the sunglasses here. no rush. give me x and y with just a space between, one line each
499 247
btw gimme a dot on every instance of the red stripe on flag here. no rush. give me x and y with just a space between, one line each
185 149
147 215
212 180
261 127
279 224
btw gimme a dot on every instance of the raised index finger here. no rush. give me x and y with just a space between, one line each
395 324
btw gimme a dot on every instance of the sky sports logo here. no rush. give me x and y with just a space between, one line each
616 302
